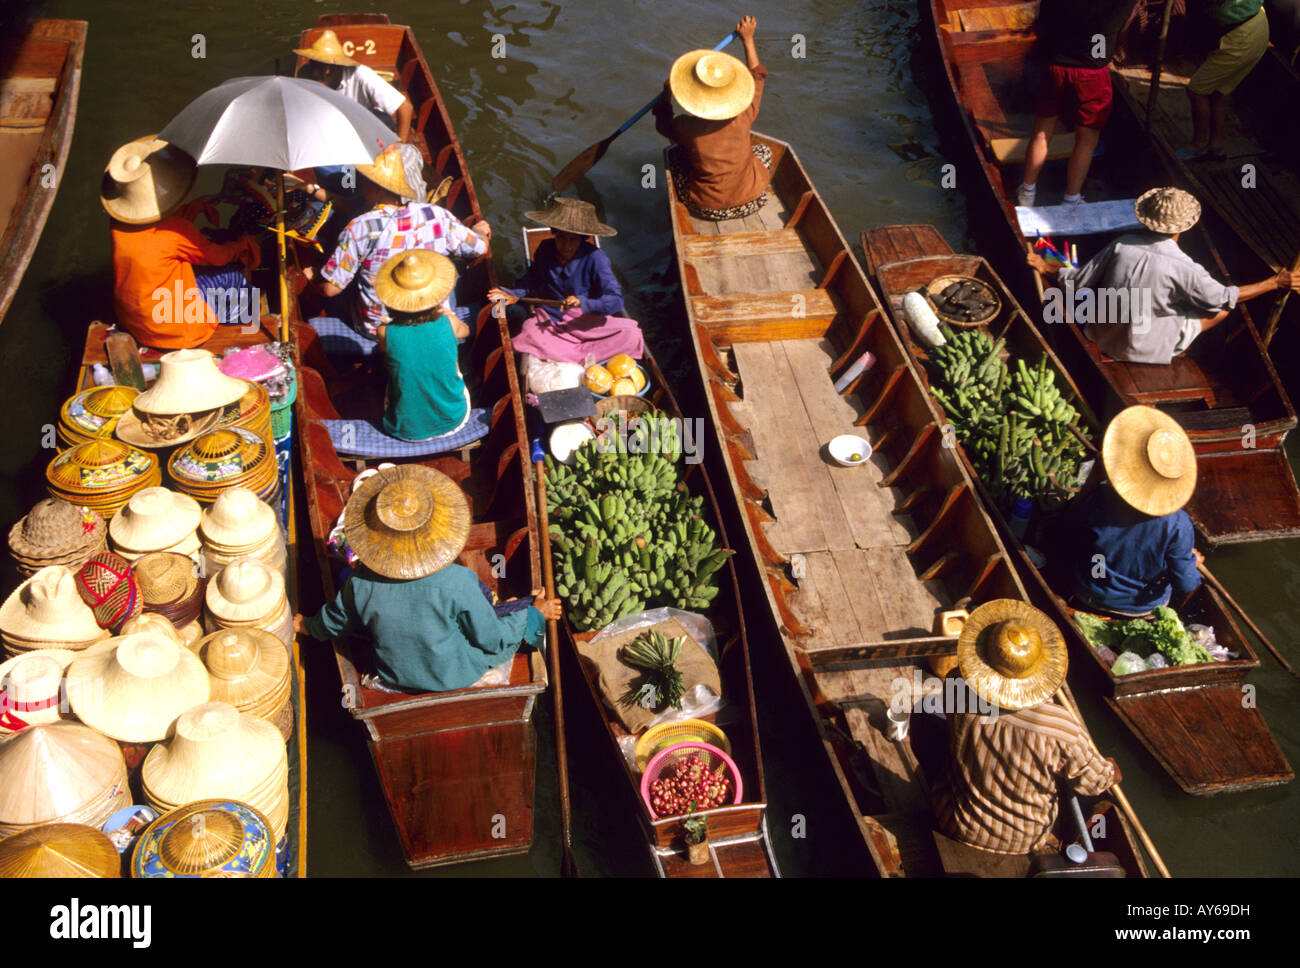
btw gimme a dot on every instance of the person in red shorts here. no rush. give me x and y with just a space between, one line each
1078 42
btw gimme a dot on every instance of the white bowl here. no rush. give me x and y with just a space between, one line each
566 438
844 447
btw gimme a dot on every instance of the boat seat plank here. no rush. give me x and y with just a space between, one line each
898 242
764 316
1013 16
759 243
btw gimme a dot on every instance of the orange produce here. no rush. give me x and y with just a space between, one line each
599 379
621 365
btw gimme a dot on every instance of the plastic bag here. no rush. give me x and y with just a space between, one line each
541 376
1203 635
1128 662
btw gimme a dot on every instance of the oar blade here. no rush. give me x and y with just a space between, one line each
580 165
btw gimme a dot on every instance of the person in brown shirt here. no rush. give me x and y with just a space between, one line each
719 175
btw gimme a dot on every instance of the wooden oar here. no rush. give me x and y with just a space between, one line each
1275 316
1154 93
568 865
1218 587
582 164
1067 699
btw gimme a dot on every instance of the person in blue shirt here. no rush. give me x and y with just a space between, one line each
1136 545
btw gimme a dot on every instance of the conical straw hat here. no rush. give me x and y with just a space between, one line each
30 691
190 382
216 751
57 770
59 850
245 591
711 85
210 838
326 49
407 522
132 688
146 180
1011 654
246 666
47 608
53 528
154 430
1149 460
237 519
388 171
94 413
1167 210
154 518
415 280
571 215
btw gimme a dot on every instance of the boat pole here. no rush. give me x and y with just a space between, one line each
1218 587
280 256
1275 316
1154 93
568 865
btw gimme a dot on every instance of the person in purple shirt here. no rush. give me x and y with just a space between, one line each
570 270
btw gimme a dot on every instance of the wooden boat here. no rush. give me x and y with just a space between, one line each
857 564
40 76
1225 392
738 840
1190 718
457 768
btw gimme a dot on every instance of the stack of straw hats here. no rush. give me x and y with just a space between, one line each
101 474
249 594
93 414
55 532
106 584
156 519
170 586
188 399
59 850
210 838
45 612
186 636
219 752
238 525
31 691
60 773
250 670
133 687
226 458
252 411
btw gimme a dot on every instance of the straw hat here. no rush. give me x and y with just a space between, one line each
245 591
55 532
189 382
216 751
59 850
94 413
60 772
237 519
1011 654
711 85
164 430
153 519
225 458
170 586
153 624
1149 460
249 669
132 688
106 584
47 608
29 688
1167 210
210 838
415 280
146 180
407 522
326 49
388 172
571 215
101 474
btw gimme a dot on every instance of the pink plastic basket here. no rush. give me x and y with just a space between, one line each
665 760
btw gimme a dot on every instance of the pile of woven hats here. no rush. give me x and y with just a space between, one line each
209 838
101 475
249 594
59 850
31 689
225 458
60 773
46 612
156 519
239 525
249 669
55 532
189 398
252 411
93 414
171 587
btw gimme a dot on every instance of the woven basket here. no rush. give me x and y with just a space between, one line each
630 404
282 412
663 762
943 282
660 737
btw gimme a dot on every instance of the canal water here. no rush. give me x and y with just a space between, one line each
855 86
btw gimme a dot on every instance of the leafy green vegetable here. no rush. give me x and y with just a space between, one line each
1164 634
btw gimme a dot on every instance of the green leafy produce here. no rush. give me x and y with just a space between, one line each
1164 634
656 655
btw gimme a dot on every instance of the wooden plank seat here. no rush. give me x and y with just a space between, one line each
751 316
783 242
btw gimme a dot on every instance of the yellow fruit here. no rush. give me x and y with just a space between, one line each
637 376
621 365
599 379
623 388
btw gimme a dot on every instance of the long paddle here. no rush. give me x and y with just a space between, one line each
1275 316
1218 587
585 161
568 865
1154 93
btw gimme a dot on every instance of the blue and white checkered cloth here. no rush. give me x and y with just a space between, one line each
342 343
362 438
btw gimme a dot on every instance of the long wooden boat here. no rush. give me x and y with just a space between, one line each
40 77
1190 718
457 768
739 845
1225 391
857 564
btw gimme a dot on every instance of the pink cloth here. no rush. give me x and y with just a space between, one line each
579 335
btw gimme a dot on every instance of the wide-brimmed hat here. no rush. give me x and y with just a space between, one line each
216 751
1149 460
60 772
154 519
146 180
237 519
415 280
189 382
59 850
210 838
388 171
155 430
170 585
29 688
132 688
1167 210
54 530
153 624
407 522
246 590
249 668
48 608
571 215
711 85
1011 654
326 49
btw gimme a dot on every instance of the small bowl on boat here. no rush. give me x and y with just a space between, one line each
849 450
566 438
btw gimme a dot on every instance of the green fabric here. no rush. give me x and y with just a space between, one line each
1234 11
432 634
426 393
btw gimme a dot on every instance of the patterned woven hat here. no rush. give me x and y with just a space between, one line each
407 522
54 528
210 838
1011 654
59 850
94 413
1167 210
106 584
571 215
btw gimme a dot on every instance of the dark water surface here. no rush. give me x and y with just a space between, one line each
858 110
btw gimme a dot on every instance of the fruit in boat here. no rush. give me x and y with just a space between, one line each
637 376
621 365
623 387
599 379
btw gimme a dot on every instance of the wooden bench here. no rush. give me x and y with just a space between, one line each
796 314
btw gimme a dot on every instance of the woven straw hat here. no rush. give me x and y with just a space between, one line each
54 528
225 458
326 49
1167 210
59 850
1011 654
210 838
47 608
153 624
189 382
711 85
170 586
101 474
132 688
1149 460
57 772
237 519
571 215
146 180
389 172
94 413
245 590
29 688
152 430
415 280
216 751
153 519
249 669
407 522
106 584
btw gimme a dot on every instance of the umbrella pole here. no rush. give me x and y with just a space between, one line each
281 257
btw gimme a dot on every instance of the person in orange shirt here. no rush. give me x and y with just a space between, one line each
171 286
